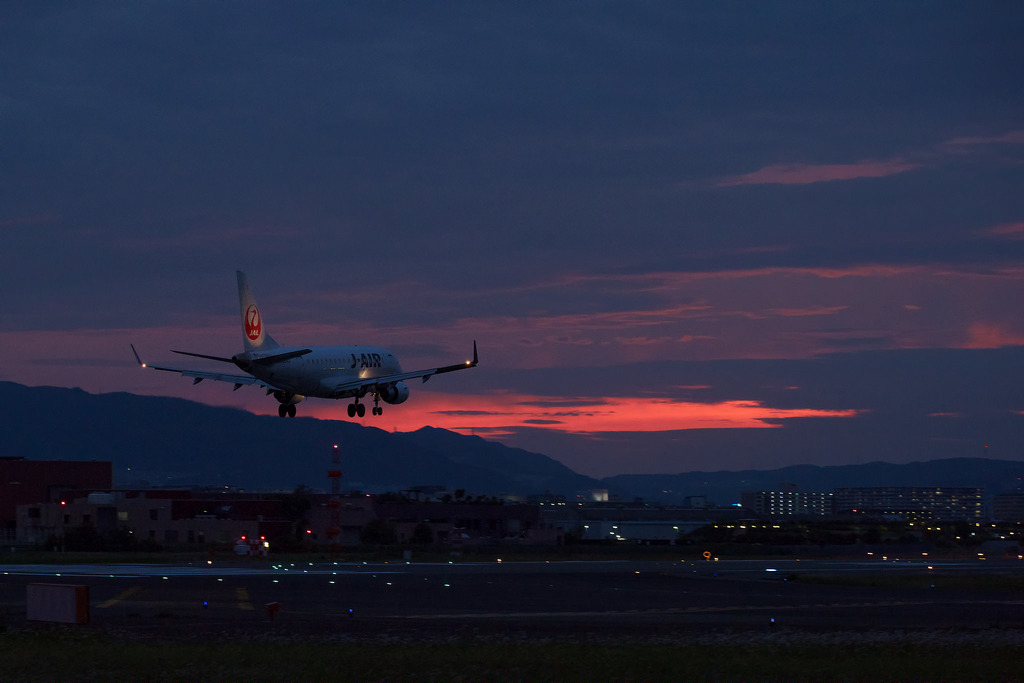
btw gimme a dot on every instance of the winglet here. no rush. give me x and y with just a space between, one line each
460 366
137 359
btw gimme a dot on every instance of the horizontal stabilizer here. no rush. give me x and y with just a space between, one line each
200 355
281 357
199 375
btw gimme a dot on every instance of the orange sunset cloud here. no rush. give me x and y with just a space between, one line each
493 413
985 336
805 174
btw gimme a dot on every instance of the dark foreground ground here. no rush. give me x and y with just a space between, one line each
621 620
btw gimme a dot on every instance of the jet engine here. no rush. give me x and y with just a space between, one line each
394 393
287 398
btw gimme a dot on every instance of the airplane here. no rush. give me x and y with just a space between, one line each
293 373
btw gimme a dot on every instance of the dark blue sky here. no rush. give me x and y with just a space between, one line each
670 226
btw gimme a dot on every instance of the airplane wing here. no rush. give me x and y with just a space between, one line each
199 375
358 385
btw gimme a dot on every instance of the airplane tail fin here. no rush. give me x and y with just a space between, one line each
254 334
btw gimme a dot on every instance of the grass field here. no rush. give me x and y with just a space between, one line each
68 656
1004 582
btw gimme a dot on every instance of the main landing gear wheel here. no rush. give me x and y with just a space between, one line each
283 410
356 409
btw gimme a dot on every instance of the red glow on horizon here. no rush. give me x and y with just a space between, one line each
499 415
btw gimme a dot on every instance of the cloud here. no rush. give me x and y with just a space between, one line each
805 174
1014 137
802 312
1011 231
989 336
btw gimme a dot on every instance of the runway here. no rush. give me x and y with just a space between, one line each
538 598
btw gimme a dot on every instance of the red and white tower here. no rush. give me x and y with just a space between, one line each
334 502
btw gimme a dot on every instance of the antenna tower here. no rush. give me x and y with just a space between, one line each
334 503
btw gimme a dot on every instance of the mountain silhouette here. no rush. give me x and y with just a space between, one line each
160 441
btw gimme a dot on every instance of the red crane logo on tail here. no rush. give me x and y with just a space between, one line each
253 324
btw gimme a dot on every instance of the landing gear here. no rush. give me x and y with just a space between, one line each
377 410
356 408
287 401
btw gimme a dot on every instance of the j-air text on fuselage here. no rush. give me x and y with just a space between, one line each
292 373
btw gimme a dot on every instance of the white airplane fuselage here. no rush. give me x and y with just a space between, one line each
323 371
